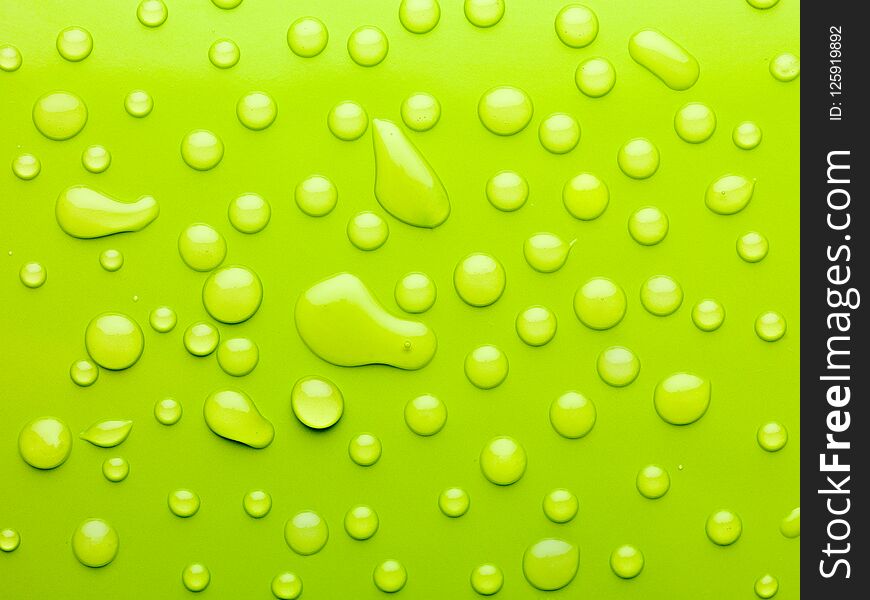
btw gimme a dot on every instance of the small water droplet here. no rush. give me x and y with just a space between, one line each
107 434
286 586
682 398
595 77
183 503
653 482
421 111
484 13
195 577
585 196
224 54
507 191
257 503
95 543
790 526
772 436
390 576
618 366
560 505
536 325
486 367
661 295
505 110
729 194
664 58
306 533
45 443
138 104
367 46
9 540
111 260
238 356
479 279
83 212
317 402
746 135
249 213
559 133
454 502
152 13
695 122
576 25
572 415
762 4
26 166
116 469
770 326
361 522
785 67
226 4
546 252
232 294
307 37
74 43
551 564
347 121
626 561
96 159
766 586
202 150
60 115
201 338
415 293
600 303
487 579
367 230
114 341
32 275
638 158
708 315
10 58
84 373
752 247
364 449
256 110
232 414
316 196
503 460
163 319
419 16
167 411
648 225
425 415
724 527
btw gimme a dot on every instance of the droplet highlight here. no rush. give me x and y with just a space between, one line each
152 13
26 166
116 469
162 319
195 577
638 158
84 373
648 225
746 135
316 196
785 67
202 150
167 411
96 159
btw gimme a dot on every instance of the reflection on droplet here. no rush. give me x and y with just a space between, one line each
572 415
364 449
114 341
484 13
585 196
638 158
454 502
536 325
503 460
59 115
595 77
152 13
107 434
600 303
74 43
306 533
232 414
202 150
559 133
139 104
317 402
32 275
708 315
421 111
419 16
10 58
576 25
84 212
167 411
390 576
626 561
232 294
26 166
183 503
724 527
257 503
618 366
425 415
790 526
479 279
256 110
249 213
487 579
695 122
772 436
507 190
415 293
9 540
201 247
785 67
367 46
224 53
95 543
361 522
551 564
770 326
505 110
195 577
96 158
653 482
307 37
163 319
682 398
661 295
347 121
648 225
729 194
664 58
560 505
45 443
286 586
367 230
486 367
746 135
84 373
766 586
752 247
116 469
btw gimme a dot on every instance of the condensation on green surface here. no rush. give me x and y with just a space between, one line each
714 464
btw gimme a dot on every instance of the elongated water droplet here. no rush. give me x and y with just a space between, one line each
364 449
486 367
406 186
32 275
653 482
107 434
83 212
484 13
114 341
729 194
785 67
454 502
572 415
45 443
317 402
232 414
84 373
232 294
505 110
10 58
367 231
341 322
238 356
682 398
626 561
367 46
286 586
664 58
361 522
390 576
479 279
585 196
766 586
307 37
695 122
74 43
195 577
163 319
551 564
708 315
96 158
507 191
560 505
772 436
546 252
421 111
425 415
116 469
306 533
257 503
487 579
9 540
600 303
419 16
746 135
595 77
201 247
503 460
576 25
95 543
139 104
152 13
415 293
249 213
60 115
26 166
790 526
724 527
536 325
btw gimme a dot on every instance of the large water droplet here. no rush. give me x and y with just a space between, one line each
618 366
26 166
33 275
560 505
682 398
249 213
585 196
347 121
664 58
59 115
576 25
74 43
114 341
107 434
785 67
626 561
45 443
306 533
9 540
559 133
257 503
507 190
84 373
367 231
770 326
232 294
503 460
708 315
390 576
486 367
695 122
95 543
572 415
729 194
201 339
361 522
421 111
202 150
415 293
307 37
138 104
454 502
364 449
317 402
772 436
152 13
653 482
256 110
536 325
286 586
10 58
638 158
232 414
201 247
116 469
551 564
419 16
479 279
425 415
316 196
724 527
84 212
195 577
790 526
600 303
484 13
661 295
367 46
505 110
595 77
238 356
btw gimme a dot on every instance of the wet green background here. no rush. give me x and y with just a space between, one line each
42 330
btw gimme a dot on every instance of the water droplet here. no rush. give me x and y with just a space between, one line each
111 260
551 564
576 25
729 194
682 398
595 77
425 415
361 522
238 356
307 37
661 295
626 561
167 411
367 230
96 159
347 121
770 326
202 150
752 247
306 533
421 111
536 325
763 5
114 341
183 503
766 586
341 322
503 460
546 252
195 577
286 586
572 415
638 158
257 503
559 133
484 13
364 449
84 373
10 58
653 482
507 191
139 104
9 540
367 46
406 186
152 13
746 135
390 576
772 436
232 294
486 367
724 527
107 434
648 225
232 414
419 16
32 275
479 279
708 315
225 54
249 213
95 543
83 212
256 110
316 196
790 526
45 443
618 366
585 196
226 4
664 58
600 303
317 402
505 110
163 319
26 166
785 67
695 122
560 505
487 579
60 115
415 293
454 502
116 469
74 43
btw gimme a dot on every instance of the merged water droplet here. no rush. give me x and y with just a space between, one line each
560 505
626 561
479 279
487 579
26 166
183 503
10 58
152 13
60 115
202 150
367 231
341 322
790 526
316 196
232 414
390 576
256 110
486 366
421 111
95 543
708 315
361 522
766 586
74 43
347 121
249 213
618 366
682 398
695 122
107 434
9 540
484 13
724 527
116 469
600 303
425 415
546 252
507 191
84 373
257 503
551 564
33 275
664 58
752 247
286 586
406 185
114 341
167 411
585 196
307 37
224 54
83 212
454 502
317 402
45 443
419 16
195 577
201 338
364 449
163 319
367 46
661 295
595 77
505 110
96 159
201 247
232 294
576 25
746 135
536 325
238 356
785 67
653 482
415 293
729 194
138 104
503 460
638 158
770 326
306 533
572 415
559 133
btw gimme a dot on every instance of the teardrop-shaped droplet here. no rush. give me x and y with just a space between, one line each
84 212
232 414
729 194
107 434
664 58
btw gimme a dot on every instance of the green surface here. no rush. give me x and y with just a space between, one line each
713 464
